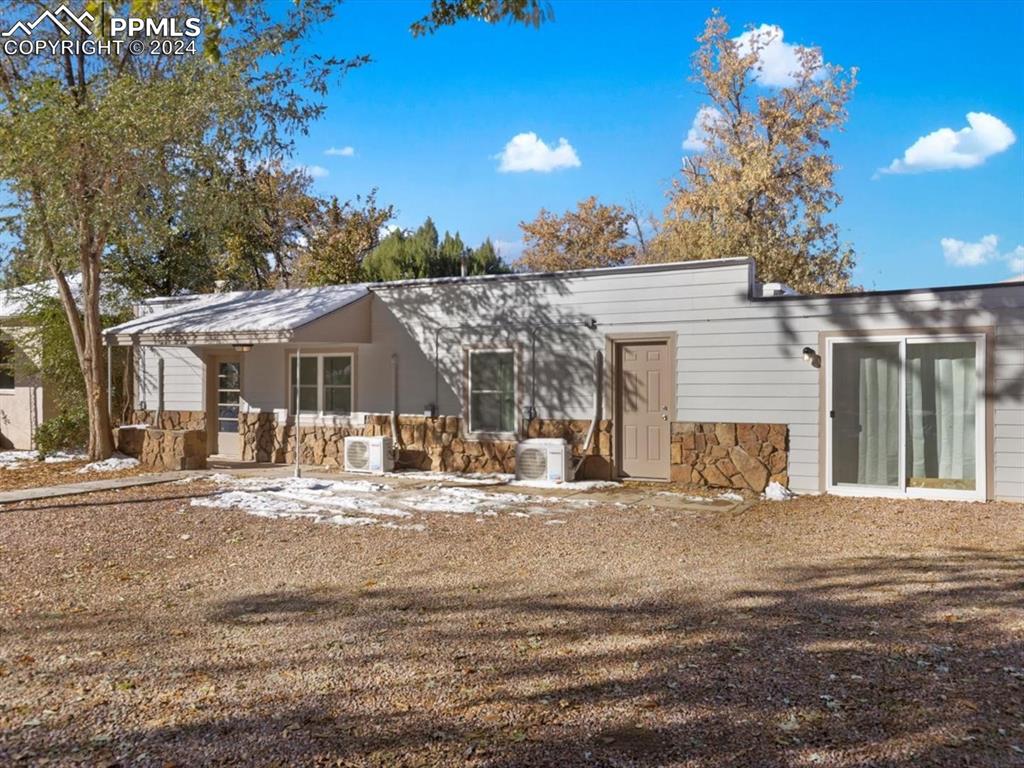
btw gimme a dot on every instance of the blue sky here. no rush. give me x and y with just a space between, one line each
428 117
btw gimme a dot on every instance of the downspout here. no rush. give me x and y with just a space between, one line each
598 389
159 390
395 435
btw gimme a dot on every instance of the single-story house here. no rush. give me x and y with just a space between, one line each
689 371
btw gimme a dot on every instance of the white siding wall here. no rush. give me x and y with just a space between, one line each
184 373
738 360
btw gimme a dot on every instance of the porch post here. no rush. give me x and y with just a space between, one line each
110 377
298 413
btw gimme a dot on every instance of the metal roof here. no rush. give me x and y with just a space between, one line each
265 316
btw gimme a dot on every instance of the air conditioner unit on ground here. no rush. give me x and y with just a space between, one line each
544 459
368 454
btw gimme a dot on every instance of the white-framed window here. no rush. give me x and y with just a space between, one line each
492 391
6 366
324 383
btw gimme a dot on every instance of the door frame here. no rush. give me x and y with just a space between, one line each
213 361
613 393
982 339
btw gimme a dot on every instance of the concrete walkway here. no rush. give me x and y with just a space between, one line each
135 481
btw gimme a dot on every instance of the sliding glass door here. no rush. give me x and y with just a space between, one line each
906 416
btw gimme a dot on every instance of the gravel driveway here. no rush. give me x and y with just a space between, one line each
140 629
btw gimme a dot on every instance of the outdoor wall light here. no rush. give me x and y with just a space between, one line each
812 357
243 347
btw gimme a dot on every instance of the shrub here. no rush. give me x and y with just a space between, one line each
66 431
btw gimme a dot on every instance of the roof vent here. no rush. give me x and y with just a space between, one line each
776 289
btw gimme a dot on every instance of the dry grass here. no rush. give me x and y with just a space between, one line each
38 474
139 630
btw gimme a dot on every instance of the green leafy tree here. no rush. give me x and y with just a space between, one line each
99 151
423 253
86 142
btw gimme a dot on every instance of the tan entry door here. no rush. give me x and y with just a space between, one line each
644 409
228 399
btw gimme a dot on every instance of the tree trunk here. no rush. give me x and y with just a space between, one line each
128 386
101 439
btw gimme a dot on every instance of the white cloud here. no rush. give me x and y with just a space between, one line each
526 152
984 136
778 62
316 171
1017 260
341 151
697 137
985 251
961 254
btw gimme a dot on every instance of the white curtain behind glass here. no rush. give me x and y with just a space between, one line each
941 401
879 440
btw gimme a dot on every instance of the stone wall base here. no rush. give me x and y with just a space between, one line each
171 419
722 455
164 450
433 444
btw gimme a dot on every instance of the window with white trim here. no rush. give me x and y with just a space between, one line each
492 390
6 365
323 386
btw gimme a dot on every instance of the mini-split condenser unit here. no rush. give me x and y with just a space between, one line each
544 458
368 454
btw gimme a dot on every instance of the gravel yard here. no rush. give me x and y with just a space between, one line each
140 628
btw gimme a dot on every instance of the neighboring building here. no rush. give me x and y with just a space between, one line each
23 401
704 375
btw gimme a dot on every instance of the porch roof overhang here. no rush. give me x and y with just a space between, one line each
339 314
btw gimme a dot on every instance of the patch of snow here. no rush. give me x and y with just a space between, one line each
14 459
471 478
726 495
778 492
59 457
554 522
575 485
113 464
343 520
364 502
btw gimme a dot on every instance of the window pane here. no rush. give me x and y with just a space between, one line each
227 411
309 365
484 371
6 365
228 396
307 400
227 425
941 415
486 412
229 375
337 399
492 399
338 371
866 405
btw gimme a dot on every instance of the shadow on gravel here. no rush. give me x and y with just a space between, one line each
875 661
